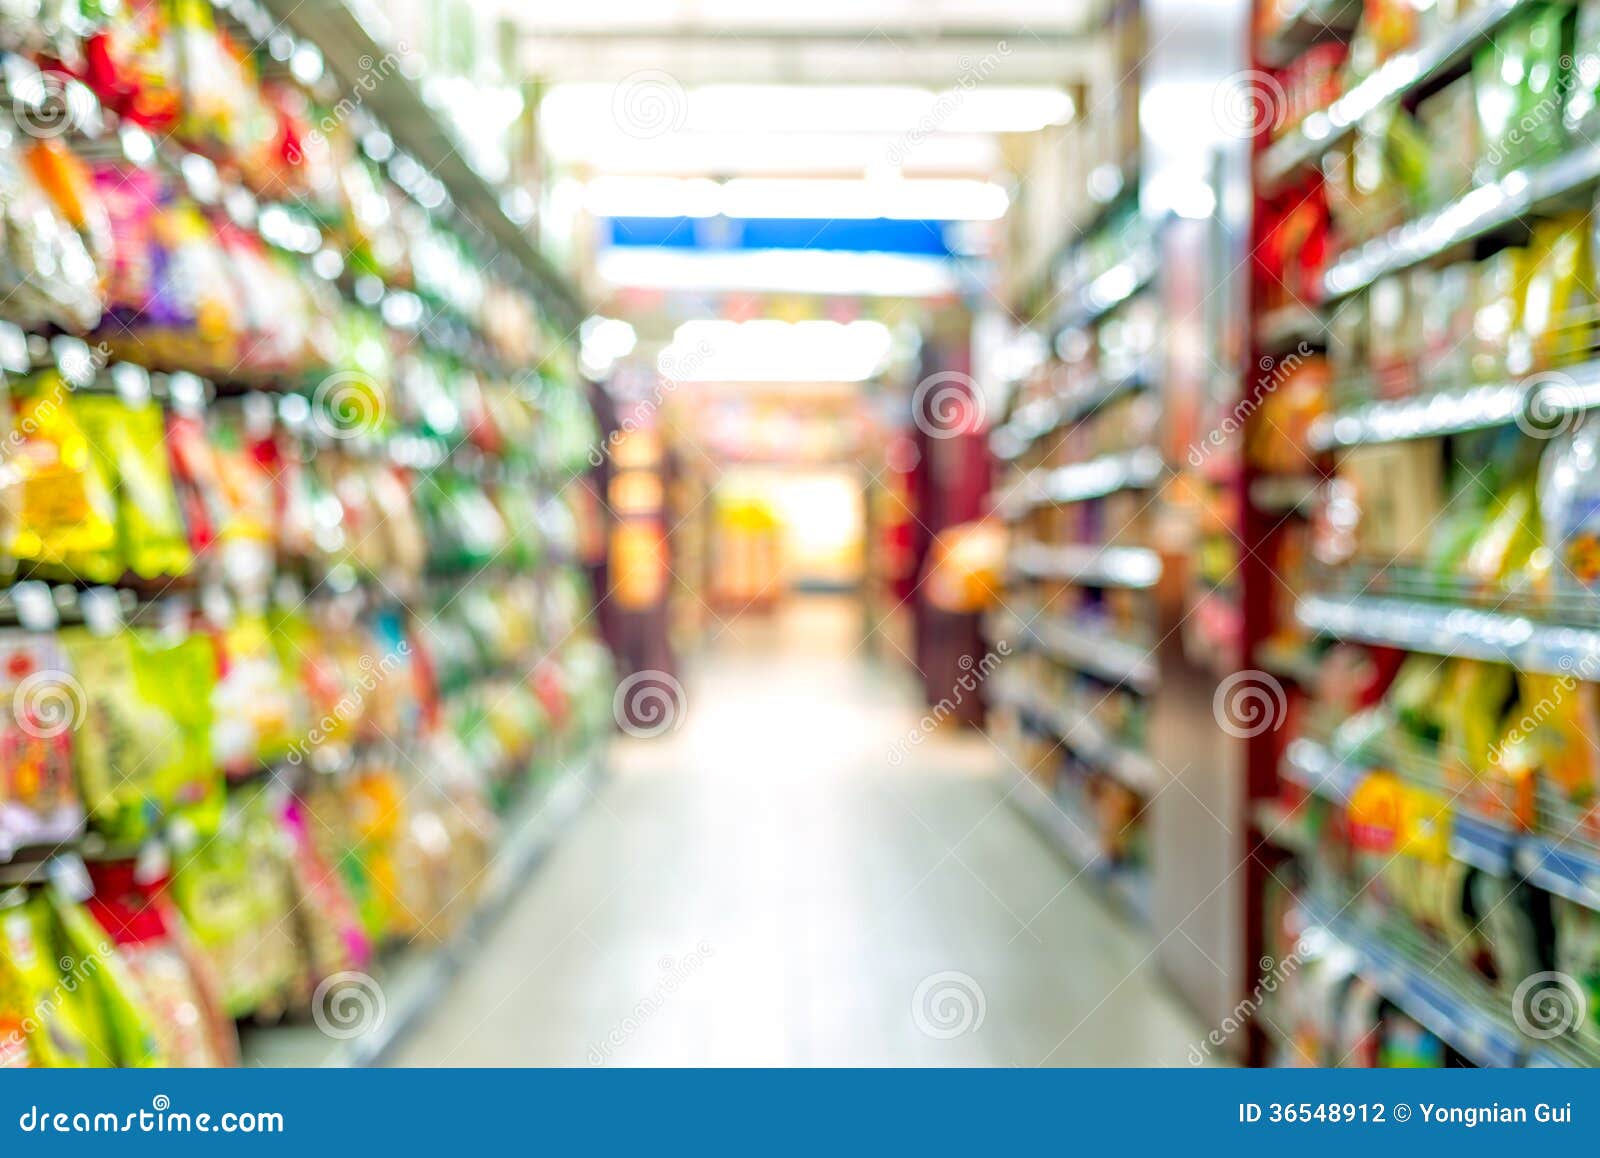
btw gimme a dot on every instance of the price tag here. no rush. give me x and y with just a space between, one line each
241 206
154 861
137 145
14 349
102 610
76 361
200 175
36 610
132 383
69 874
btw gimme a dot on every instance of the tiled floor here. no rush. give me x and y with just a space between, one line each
762 887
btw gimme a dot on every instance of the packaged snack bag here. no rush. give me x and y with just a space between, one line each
69 183
1569 503
234 894
329 924
37 236
127 439
143 743
173 979
253 703
130 1033
63 504
131 63
45 1016
39 803
1578 956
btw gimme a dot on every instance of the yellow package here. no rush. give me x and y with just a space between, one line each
62 502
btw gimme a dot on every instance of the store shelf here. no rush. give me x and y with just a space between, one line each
1443 629
1285 494
1561 869
1088 649
1567 869
1482 211
1096 652
1081 481
1422 416
1127 888
1278 825
1107 474
1484 1036
1033 420
414 980
1401 74
1300 662
1088 740
1134 568
1288 326
1309 22
1110 289
389 94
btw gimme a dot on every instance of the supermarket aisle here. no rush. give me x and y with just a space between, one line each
762 887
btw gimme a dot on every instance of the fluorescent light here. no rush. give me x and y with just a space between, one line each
932 200
907 199
778 271
606 149
652 197
604 340
572 111
767 350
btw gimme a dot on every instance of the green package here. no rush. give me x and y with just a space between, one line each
127 1028
128 440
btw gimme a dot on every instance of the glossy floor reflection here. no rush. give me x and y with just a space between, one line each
763 886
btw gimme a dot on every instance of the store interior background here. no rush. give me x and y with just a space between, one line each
1032 533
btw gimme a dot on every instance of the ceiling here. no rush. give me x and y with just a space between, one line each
928 42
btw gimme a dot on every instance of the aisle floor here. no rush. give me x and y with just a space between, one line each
762 886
